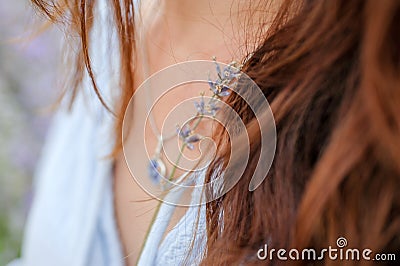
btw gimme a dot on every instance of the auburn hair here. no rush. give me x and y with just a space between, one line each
331 73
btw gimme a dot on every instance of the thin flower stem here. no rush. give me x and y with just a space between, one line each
153 219
199 118
177 162
157 210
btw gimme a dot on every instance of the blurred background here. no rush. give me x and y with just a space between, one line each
29 67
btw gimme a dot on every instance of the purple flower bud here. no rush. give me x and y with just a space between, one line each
206 109
154 171
183 132
226 79
187 136
200 106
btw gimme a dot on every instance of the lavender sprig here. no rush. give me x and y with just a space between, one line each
220 88
226 79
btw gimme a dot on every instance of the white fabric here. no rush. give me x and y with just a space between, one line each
185 242
71 220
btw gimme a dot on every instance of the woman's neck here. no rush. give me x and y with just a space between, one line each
183 16
186 10
194 23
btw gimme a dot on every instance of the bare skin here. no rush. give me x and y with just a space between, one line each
178 31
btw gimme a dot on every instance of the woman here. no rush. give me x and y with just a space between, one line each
82 187
330 70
